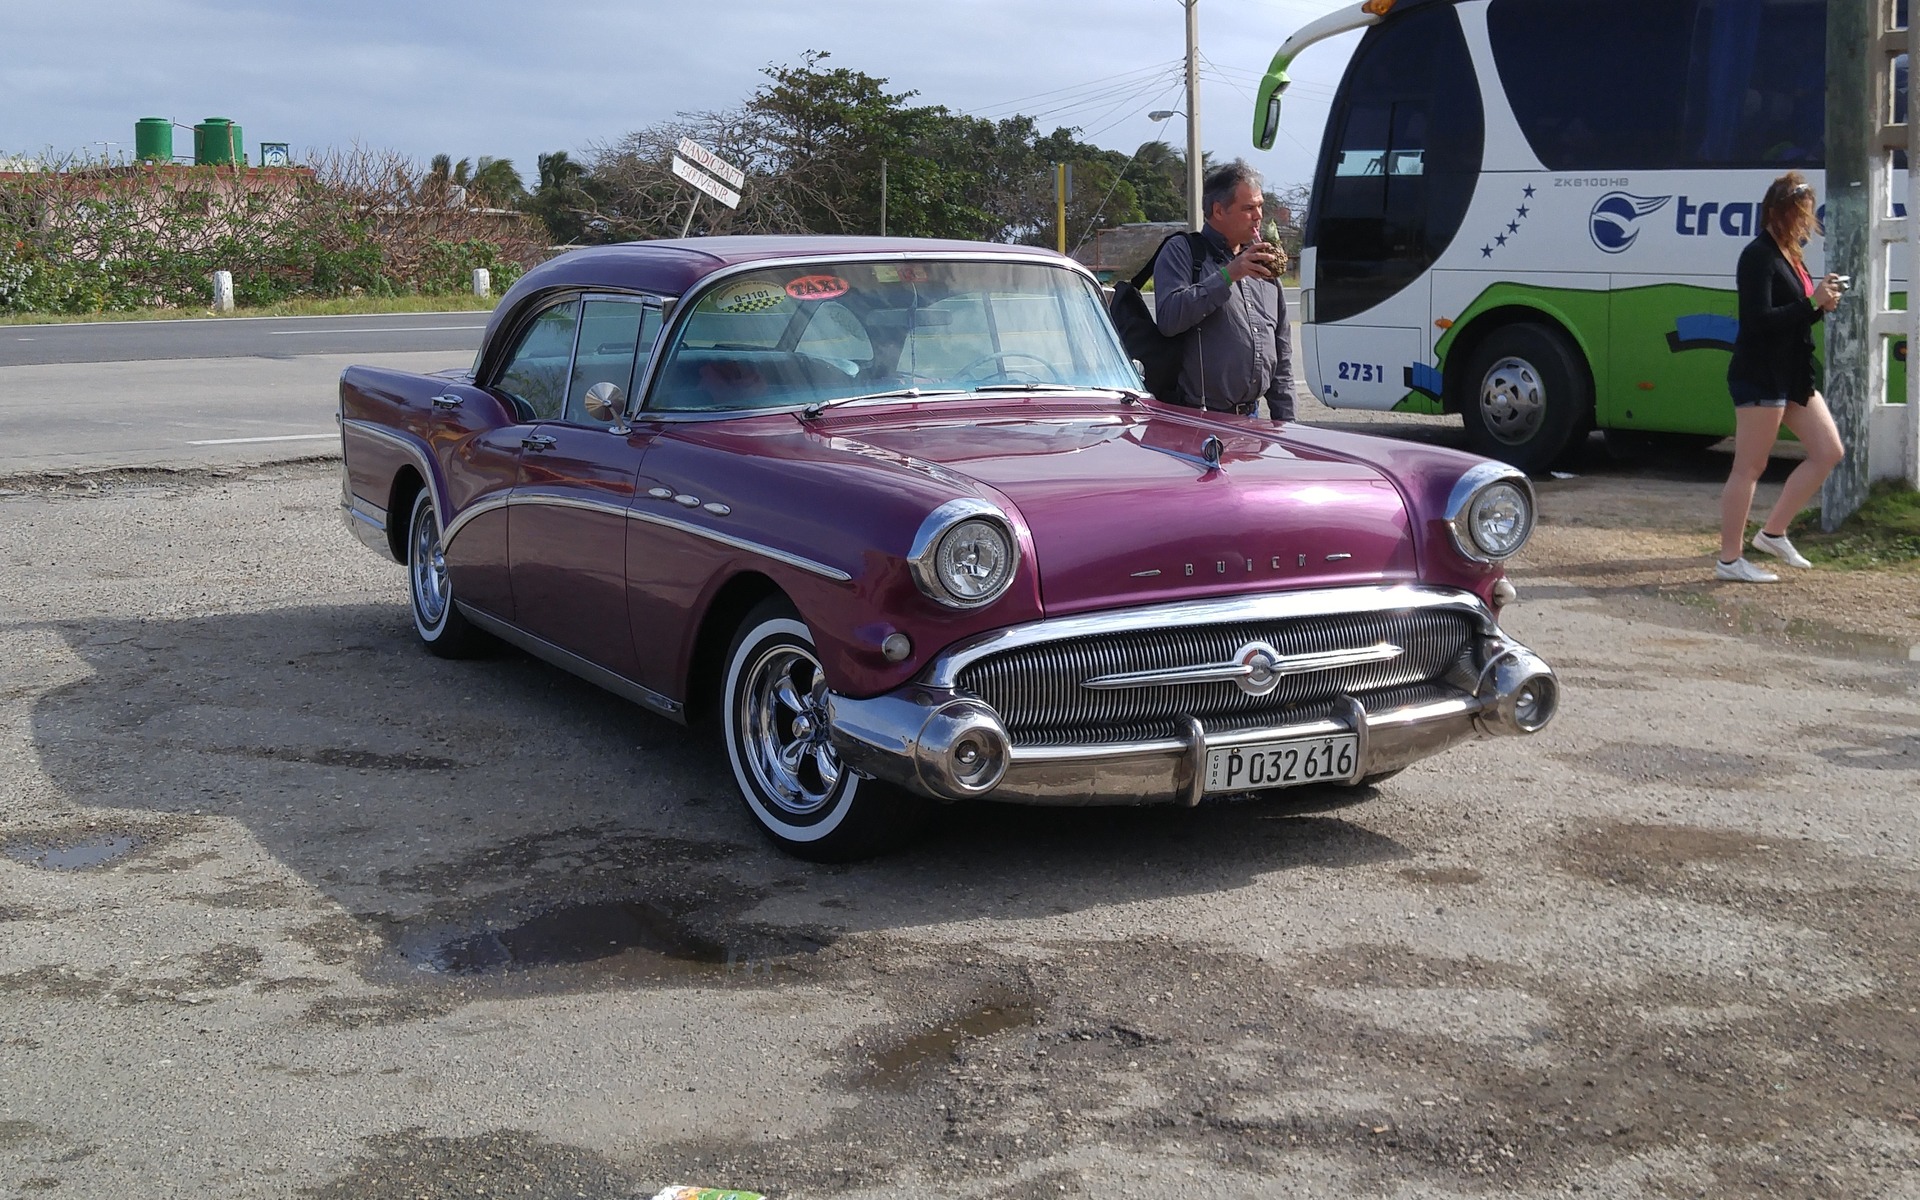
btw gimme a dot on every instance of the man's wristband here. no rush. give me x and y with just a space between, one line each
1227 275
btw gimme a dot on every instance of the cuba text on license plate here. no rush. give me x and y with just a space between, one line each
1281 764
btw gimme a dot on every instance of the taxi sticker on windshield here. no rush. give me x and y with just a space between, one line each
818 287
747 296
899 273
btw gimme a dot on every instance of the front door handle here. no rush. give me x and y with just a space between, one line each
448 400
537 441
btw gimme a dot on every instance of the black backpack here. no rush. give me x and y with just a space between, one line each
1159 354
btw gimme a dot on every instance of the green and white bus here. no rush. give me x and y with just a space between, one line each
1528 211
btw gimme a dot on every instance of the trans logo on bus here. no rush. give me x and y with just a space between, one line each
1614 222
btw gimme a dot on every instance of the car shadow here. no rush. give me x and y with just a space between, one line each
450 808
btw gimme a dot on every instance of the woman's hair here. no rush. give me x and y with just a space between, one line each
1787 212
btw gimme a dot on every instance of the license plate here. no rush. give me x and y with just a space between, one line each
1278 764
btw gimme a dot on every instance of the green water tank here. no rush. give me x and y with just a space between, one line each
153 140
217 142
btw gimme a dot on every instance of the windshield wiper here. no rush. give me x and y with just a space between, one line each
820 406
1038 387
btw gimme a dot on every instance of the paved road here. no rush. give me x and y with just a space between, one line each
239 337
215 393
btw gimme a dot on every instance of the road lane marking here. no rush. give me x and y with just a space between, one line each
285 437
395 329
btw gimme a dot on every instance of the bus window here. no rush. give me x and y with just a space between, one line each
1405 146
1595 84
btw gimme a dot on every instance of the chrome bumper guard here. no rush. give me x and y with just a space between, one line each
945 743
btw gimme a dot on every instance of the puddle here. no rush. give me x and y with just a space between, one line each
899 1066
72 855
587 933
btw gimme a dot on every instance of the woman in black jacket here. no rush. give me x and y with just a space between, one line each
1771 379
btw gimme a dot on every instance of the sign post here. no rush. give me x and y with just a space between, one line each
699 166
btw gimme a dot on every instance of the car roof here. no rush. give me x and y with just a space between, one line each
670 267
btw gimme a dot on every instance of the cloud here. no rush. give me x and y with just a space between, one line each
509 79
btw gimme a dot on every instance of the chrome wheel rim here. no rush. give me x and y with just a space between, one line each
429 566
784 728
1513 401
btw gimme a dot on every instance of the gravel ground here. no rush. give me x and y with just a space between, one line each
289 907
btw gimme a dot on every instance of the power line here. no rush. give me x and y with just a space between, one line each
1065 96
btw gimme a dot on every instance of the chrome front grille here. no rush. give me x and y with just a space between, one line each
1038 692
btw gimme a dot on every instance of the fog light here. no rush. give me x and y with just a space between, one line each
896 648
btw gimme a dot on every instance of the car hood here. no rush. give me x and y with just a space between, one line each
1126 508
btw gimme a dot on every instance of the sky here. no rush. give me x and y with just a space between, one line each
508 79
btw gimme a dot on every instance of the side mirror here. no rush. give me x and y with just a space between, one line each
606 402
1140 369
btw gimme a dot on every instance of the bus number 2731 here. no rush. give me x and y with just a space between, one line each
1363 372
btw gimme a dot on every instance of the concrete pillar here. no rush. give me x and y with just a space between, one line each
482 282
1848 216
223 291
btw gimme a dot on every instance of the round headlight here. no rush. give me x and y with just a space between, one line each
1499 519
974 561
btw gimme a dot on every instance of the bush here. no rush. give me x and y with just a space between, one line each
84 237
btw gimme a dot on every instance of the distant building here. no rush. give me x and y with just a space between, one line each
1120 251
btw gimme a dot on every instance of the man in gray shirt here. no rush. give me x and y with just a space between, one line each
1233 314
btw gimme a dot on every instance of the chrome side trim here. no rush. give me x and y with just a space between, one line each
1274 666
550 499
944 671
400 441
572 663
738 543
369 512
477 508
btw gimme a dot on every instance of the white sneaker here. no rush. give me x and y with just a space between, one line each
1780 548
1742 571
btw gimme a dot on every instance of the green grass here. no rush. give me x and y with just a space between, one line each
342 307
1884 533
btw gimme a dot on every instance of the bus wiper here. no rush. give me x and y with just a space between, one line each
819 406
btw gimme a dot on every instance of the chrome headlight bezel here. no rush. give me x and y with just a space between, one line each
943 523
1466 508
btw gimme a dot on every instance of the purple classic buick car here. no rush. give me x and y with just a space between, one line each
897 514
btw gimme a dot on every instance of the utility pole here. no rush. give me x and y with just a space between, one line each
1848 214
1195 218
883 197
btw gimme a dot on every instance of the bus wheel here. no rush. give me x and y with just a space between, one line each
1526 397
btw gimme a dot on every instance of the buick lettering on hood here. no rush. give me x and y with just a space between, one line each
896 519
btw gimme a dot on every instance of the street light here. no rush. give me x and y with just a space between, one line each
1193 159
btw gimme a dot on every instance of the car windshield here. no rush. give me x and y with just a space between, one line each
814 333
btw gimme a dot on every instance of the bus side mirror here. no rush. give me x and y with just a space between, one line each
1266 108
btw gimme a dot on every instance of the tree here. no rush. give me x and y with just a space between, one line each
565 199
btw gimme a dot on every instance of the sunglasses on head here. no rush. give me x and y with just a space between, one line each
1804 189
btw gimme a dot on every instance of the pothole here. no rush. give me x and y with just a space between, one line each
71 854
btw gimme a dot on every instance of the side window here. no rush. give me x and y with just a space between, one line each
1405 143
536 375
610 336
1665 84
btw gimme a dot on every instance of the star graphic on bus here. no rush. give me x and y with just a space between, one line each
1521 211
1499 239
1513 227
1486 252
1526 193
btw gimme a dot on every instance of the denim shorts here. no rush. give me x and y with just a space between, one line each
1752 395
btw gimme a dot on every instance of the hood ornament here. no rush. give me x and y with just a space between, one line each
1211 450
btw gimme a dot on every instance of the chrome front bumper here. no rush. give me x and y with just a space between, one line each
948 744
